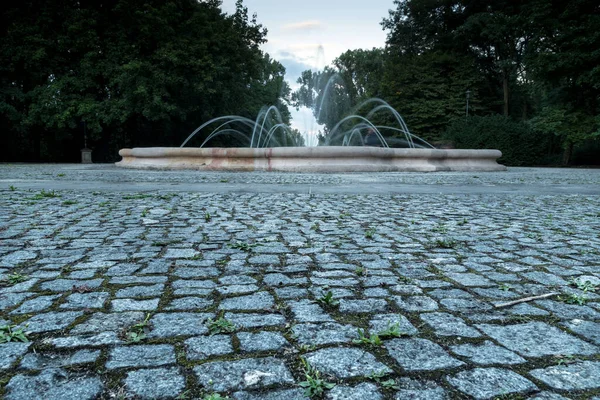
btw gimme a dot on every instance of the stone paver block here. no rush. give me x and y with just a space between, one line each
51 321
100 322
589 330
416 303
446 324
487 354
155 383
419 390
420 355
261 341
537 339
325 333
486 383
43 361
345 362
251 373
53 384
579 376
178 324
284 394
249 321
120 305
257 301
381 322
203 347
85 300
151 355
9 352
358 392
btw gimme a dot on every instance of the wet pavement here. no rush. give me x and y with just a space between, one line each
154 284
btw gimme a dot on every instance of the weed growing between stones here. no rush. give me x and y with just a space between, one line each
573 298
314 386
370 233
212 396
392 331
15 278
586 286
389 384
328 300
138 332
372 339
9 334
45 195
242 246
221 325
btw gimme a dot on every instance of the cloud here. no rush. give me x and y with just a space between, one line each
303 26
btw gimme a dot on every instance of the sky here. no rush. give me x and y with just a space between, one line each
309 34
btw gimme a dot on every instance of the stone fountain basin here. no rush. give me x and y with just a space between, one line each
310 159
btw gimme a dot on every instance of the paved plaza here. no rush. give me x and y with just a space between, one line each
154 284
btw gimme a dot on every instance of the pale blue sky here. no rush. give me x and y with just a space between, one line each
297 29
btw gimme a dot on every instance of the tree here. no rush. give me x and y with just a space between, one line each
135 72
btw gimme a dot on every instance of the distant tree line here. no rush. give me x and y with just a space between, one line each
531 69
126 73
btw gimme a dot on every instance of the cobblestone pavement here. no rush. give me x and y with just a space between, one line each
255 285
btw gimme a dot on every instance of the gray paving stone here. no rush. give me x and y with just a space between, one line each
306 311
134 280
9 300
416 303
257 301
420 355
251 373
419 390
465 305
249 321
589 330
537 339
35 361
203 347
568 311
99 322
324 333
189 303
37 304
284 394
89 340
51 321
53 384
262 341
487 354
469 279
85 300
155 383
140 291
178 324
63 285
486 383
446 324
9 352
120 305
548 396
363 306
345 362
138 356
359 392
380 322
579 376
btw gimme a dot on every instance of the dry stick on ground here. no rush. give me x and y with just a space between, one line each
525 299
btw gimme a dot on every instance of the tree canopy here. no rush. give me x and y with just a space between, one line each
536 62
127 73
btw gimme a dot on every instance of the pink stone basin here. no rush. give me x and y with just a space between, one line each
311 159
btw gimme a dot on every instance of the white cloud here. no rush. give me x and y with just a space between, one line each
303 26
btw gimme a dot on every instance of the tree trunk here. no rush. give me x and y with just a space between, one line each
505 89
567 154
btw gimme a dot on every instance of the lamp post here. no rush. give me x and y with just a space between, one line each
468 95
86 154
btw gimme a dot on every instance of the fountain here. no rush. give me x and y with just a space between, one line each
268 138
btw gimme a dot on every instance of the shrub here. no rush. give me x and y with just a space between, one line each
519 144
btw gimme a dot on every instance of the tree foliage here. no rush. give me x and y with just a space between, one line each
128 72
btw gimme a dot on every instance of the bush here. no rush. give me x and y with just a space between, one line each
519 144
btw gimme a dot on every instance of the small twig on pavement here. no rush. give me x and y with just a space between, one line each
525 299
